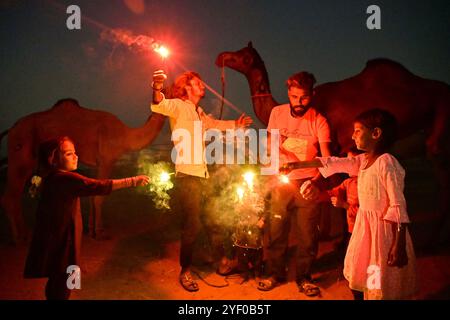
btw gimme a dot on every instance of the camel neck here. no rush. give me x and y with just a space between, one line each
258 82
138 138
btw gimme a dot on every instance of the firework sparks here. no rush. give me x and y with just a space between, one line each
240 193
161 183
164 177
249 178
284 179
162 51
249 209
128 39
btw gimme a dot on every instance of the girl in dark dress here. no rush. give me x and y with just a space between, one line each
58 231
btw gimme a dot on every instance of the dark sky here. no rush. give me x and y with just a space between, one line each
42 61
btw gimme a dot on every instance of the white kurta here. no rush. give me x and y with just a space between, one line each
381 199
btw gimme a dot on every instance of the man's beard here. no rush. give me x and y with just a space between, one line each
298 110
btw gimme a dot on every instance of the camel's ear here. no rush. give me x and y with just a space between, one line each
250 44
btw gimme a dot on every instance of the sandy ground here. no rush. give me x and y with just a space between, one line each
142 263
141 260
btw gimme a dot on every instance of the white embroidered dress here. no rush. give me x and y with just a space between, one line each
381 200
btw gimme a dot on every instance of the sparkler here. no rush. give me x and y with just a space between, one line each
240 193
164 177
284 179
249 176
162 51
160 181
249 208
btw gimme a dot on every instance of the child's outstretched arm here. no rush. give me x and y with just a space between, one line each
136 181
85 187
315 163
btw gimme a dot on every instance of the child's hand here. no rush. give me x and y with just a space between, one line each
397 256
142 180
309 190
338 202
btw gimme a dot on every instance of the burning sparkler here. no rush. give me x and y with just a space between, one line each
164 177
240 193
249 177
160 177
284 179
162 51
249 209
139 43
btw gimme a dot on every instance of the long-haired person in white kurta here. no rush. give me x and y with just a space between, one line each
380 261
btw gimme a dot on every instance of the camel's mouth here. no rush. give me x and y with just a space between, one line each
223 59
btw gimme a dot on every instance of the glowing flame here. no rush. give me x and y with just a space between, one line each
249 177
284 178
162 51
164 177
160 182
240 193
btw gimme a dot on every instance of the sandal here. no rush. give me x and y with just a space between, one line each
308 288
268 284
188 282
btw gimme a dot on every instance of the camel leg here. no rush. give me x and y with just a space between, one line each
96 228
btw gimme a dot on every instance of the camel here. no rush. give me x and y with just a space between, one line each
100 139
417 103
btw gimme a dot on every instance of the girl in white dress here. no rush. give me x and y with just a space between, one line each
380 260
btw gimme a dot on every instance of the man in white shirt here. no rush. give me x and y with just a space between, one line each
191 172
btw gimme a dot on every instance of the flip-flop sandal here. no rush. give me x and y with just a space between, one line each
267 284
188 283
309 289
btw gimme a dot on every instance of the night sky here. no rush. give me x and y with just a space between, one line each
42 61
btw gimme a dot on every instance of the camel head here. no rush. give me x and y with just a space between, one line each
242 60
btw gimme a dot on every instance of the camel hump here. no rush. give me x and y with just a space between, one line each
66 101
384 63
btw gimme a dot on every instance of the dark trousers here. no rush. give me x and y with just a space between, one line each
287 205
190 195
56 287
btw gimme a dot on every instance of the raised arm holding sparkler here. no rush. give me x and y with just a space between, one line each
185 116
194 93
